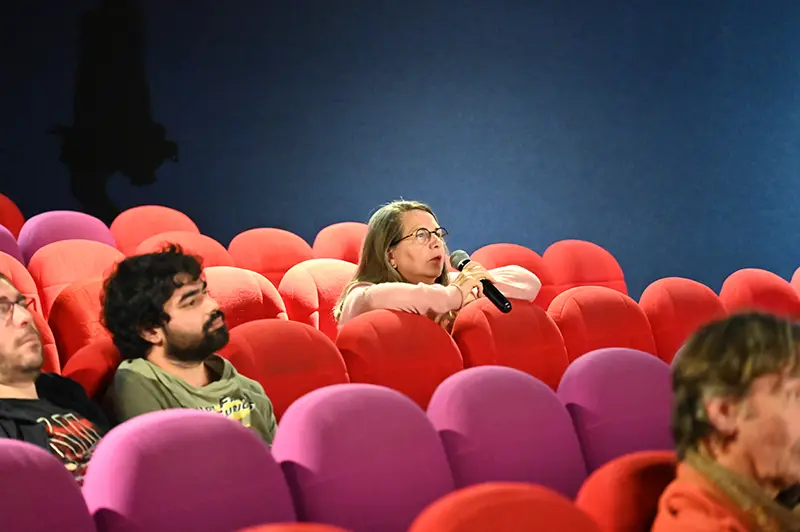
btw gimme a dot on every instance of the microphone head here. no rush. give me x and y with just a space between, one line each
458 259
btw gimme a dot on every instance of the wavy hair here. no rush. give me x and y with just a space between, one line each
135 293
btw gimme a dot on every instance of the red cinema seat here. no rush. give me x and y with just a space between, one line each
76 317
752 289
93 367
403 351
206 248
623 494
270 252
21 278
594 317
134 226
796 280
676 308
580 263
503 507
243 295
57 265
311 289
10 216
341 241
52 363
525 339
289 359
497 255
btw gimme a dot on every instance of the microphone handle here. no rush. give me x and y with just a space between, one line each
493 294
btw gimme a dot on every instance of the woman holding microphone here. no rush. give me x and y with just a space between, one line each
403 266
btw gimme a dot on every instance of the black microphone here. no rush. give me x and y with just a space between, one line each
460 258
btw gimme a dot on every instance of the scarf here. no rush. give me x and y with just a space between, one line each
764 513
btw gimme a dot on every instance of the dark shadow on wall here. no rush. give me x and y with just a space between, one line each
113 128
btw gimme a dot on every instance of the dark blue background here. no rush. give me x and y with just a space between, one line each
665 131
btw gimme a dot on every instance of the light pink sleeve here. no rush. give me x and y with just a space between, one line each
425 299
514 281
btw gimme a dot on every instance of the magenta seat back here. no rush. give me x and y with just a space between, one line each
620 401
9 245
184 470
54 226
362 457
499 424
38 493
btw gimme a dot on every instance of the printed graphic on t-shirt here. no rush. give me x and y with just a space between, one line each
236 409
72 439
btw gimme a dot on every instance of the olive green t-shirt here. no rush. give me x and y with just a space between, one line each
140 387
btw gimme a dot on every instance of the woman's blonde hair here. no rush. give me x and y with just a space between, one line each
385 229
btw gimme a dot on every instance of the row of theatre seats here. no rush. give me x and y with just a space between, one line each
543 399
283 332
595 455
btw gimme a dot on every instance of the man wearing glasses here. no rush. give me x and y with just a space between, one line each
44 409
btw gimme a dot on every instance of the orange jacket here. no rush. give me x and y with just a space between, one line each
692 504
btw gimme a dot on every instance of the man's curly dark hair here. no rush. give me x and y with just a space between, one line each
134 296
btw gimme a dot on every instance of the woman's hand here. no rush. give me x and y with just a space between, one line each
469 282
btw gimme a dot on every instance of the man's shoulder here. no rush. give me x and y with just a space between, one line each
63 392
133 364
230 372
690 503
49 384
132 369
133 374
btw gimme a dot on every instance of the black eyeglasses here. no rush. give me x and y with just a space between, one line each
7 306
423 236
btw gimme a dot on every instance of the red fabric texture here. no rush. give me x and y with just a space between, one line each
526 339
270 252
503 507
135 225
206 248
289 359
676 308
243 295
403 351
594 317
57 265
341 241
93 367
311 289
76 317
580 263
754 289
623 494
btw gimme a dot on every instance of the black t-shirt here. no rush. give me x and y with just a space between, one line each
71 437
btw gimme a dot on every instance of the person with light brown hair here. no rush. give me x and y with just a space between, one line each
403 266
44 409
736 424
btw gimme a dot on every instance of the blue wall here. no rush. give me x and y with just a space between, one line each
664 131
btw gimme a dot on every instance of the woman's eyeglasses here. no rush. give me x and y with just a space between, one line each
423 236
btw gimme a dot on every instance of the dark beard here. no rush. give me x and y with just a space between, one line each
185 349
